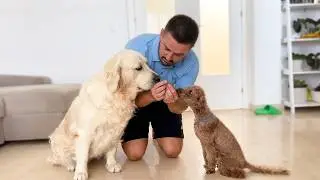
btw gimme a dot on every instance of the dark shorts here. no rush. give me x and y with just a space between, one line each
164 123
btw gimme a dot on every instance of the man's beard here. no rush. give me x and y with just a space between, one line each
165 62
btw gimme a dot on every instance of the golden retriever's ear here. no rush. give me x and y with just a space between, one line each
112 70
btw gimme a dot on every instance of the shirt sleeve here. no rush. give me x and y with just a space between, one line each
189 78
136 45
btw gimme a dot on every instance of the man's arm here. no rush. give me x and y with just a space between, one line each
144 98
175 104
178 107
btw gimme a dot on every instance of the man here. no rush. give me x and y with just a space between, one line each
169 54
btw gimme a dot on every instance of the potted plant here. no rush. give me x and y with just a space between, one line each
298 62
300 91
313 61
316 94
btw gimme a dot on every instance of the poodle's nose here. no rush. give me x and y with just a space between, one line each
179 91
156 79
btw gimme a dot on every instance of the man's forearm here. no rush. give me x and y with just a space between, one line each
178 107
144 98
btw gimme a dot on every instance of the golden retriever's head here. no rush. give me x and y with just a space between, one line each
128 72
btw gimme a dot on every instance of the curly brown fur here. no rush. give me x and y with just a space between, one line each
220 147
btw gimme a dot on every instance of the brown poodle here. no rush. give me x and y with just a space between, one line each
220 147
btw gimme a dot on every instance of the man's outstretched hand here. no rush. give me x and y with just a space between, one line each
171 95
158 91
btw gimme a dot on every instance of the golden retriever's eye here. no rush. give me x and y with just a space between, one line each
139 68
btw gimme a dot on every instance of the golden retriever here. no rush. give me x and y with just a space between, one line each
95 121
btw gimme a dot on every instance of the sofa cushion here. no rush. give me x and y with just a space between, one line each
47 98
1 121
1 107
22 80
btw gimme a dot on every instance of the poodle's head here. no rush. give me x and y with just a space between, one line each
194 96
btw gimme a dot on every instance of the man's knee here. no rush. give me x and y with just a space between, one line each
135 149
171 146
172 152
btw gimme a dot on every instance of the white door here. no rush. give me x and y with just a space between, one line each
219 52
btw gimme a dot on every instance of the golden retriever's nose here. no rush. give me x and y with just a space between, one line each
156 78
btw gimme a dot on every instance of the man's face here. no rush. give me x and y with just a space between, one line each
170 51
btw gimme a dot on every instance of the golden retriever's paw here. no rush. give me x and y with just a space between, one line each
113 168
80 176
52 160
70 167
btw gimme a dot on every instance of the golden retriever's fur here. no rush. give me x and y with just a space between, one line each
95 121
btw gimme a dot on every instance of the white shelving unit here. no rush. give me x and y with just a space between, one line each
294 43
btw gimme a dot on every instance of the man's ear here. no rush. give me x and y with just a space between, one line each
112 72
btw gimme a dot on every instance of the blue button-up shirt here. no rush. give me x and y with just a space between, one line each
180 75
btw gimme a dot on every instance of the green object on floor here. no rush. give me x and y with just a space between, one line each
267 110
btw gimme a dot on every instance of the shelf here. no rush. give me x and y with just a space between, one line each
306 104
301 6
303 40
286 72
304 5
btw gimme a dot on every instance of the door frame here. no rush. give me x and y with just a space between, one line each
134 7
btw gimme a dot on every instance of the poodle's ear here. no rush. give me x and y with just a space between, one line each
112 70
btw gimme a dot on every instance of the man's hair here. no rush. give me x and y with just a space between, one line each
183 29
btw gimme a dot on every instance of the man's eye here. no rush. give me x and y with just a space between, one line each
139 68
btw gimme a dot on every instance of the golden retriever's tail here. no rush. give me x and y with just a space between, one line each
267 170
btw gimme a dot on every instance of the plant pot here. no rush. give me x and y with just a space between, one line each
297 65
316 96
300 95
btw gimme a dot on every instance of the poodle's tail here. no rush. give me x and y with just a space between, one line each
267 170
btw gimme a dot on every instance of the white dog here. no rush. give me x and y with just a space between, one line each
96 119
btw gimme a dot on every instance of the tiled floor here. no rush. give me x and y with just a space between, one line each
279 141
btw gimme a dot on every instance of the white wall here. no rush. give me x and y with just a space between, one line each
265 63
70 40
66 40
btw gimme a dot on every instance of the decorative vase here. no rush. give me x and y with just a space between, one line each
300 95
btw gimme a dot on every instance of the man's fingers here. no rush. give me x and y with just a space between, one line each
160 96
160 89
161 83
172 90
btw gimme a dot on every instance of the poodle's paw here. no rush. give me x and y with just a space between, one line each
209 169
80 176
114 167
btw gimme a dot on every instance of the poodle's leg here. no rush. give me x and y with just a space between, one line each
204 155
112 165
232 172
82 150
211 159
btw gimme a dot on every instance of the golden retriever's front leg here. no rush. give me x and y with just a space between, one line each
112 165
82 150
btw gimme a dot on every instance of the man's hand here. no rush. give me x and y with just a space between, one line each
171 95
158 91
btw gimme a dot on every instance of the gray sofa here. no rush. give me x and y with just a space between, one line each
31 106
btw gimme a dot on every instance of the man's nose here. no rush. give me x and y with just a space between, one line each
169 57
